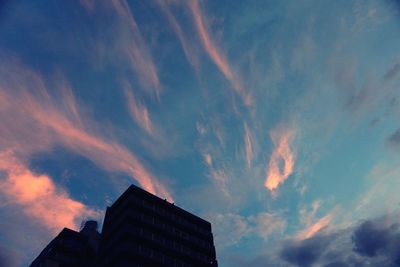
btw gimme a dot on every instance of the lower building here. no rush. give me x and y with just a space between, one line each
71 249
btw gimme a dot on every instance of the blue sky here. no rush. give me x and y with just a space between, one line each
275 120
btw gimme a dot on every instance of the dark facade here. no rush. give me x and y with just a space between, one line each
139 230
143 230
71 249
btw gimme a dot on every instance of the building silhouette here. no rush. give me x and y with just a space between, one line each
70 248
139 229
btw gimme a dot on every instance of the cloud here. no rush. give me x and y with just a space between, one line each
373 242
136 50
367 93
221 178
316 227
88 5
230 228
392 72
38 197
8 258
208 159
265 224
379 237
138 112
188 48
248 144
213 51
394 139
37 121
305 253
281 138
381 183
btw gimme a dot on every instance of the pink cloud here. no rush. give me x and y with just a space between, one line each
36 122
281 138
38 196
137 50
214 52
208 159
315 228
139 112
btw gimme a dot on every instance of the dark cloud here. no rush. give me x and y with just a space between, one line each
394 139
377 237
306 252
337 264
369 239
393 71
374 242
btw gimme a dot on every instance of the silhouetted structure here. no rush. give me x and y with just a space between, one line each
71 249
139 230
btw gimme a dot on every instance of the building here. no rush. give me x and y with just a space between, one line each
141 229
71 249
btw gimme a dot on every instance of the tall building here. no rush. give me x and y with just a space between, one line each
143 230
71 249
139 230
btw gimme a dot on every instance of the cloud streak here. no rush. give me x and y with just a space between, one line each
38 196
248 145
137 51
230 228
219 60
138 112
37 121
281 139
315 228
188 49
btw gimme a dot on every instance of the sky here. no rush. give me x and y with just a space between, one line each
277 121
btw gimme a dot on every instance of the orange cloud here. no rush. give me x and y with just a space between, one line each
39 197
282 153
36 122
208 159
315 228
215 54
137 51
139 112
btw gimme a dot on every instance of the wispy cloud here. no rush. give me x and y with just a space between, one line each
88 4
187 47
137 50
221 178
392 72
248 145
38 196
208 159
37 121
215 54
315 227
230 228
282 152
138 112
265 224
